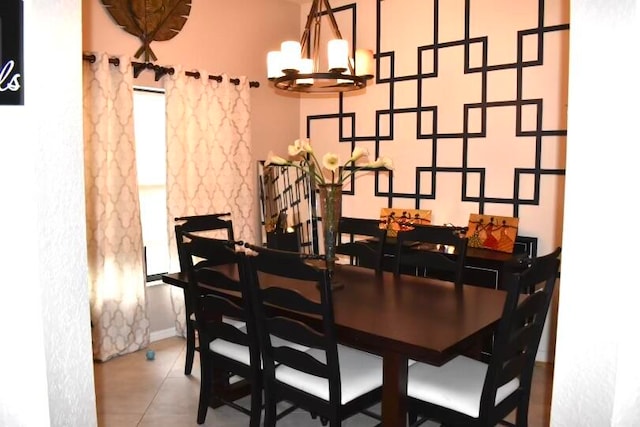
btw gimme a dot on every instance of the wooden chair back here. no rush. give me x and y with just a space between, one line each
433 251
362 240
209 223
218 288
468 392
279 312
518 335
203 223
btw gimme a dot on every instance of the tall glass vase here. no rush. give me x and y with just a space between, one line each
331 211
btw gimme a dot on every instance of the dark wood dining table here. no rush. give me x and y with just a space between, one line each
404 317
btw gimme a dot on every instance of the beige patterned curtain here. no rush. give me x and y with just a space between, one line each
114 231
209 163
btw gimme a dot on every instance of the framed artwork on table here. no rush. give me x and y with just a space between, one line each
399 219
493 232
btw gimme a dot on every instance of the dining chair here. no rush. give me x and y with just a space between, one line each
225 325
432 251
468 392
293 301
212 224
362 240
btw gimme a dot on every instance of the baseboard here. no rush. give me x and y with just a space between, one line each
543 356
163 334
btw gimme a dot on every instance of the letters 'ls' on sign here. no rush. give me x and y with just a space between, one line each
11 53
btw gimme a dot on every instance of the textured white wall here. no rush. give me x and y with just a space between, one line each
597 380
45 365
23 388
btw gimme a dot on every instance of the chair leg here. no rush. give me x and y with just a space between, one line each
270 408
413 417
191 346
256 400
522 413
205 390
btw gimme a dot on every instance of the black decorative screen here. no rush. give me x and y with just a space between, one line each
285 195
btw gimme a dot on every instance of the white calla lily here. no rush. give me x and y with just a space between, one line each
305 145
358 153
294 149
330 170
331 162
387 163
381 162
272 159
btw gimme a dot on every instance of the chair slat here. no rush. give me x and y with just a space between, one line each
423 249
356 230
290 299
301 361
297 331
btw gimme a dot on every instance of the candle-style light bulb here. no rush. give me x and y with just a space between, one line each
306 67
274 64
290 56
338 55
364 63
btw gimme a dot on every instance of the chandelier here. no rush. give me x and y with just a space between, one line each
297 66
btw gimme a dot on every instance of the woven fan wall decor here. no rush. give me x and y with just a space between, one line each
149 20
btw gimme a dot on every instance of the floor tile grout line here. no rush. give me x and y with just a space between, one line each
155 395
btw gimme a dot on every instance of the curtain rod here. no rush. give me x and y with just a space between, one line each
160 70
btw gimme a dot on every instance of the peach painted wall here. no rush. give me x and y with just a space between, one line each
229 37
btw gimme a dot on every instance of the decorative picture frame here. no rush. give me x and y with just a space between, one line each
497 233
400 219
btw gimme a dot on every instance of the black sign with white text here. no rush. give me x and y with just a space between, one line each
11 53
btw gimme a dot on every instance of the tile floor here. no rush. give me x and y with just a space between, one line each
132 392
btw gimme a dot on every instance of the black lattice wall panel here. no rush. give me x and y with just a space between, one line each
469 101
287 190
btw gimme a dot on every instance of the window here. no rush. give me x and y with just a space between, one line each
149 122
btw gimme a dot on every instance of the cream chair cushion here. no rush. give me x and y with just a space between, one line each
456 385
241 352
360 372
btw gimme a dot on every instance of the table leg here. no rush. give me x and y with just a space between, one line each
394 390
